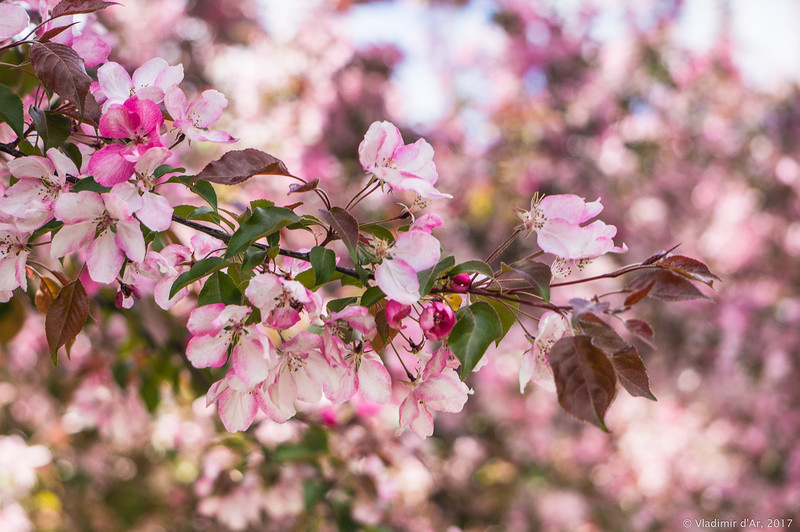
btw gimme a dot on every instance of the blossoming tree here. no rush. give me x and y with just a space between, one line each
377 311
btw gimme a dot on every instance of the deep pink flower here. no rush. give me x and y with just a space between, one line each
437 320
395 312
460 283
402 167
137 120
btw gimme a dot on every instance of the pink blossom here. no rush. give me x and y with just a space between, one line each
556 220
299 374
13 19
14 253
402 167
169 263
353 368
194 119
412 252
104 222
150 82
29 201
461 282
138 120
236 402
214 329
437 387
280 300
437 320
152 209
395 312
535 366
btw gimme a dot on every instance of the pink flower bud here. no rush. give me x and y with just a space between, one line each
460 282
437 320
395 312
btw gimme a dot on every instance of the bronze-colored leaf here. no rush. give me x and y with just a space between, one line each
238 166
690 268
303 187
640 328
667 286
48 291
66 316
637 295
61 68
603 335
586 382
74 7
632 373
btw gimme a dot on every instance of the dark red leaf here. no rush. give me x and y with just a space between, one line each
689 268
61 68
667 286
238 166
640 328
537 274
603 335
52 32
631 372
346 226
66 316
638 295
655 257
73 7
304 187
586 382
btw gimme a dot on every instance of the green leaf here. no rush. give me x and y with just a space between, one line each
219 288
372 295
165 169
66 316
335 305
263 222
478 326
198 270
476 266
379 231
205 190
506 315
11 110
427 278
53 129
88 183
323 261
252 258
536 273
72 151
586 382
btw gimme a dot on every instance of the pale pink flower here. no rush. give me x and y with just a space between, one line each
437 320
281 300
299 374
214 329
149 82
14 253
194 119
237 402
353 368
534 365
557 222
29 201
402 167
169 263
137 119
13 19
104 222
437 387
152 209
412 252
